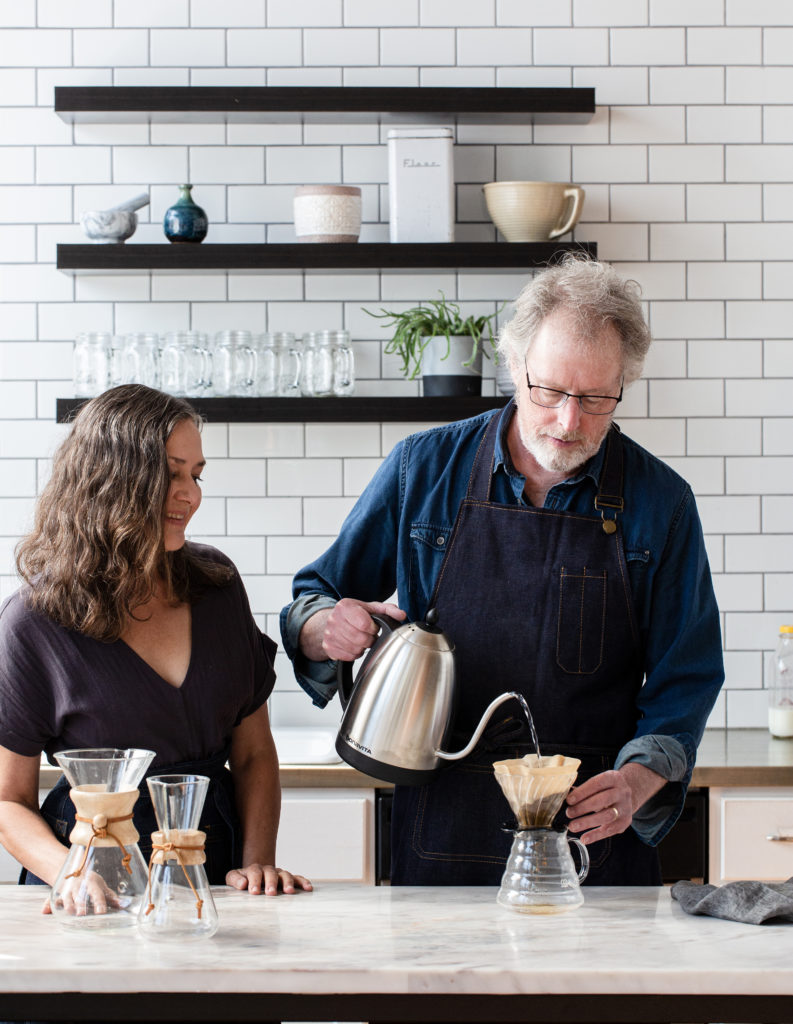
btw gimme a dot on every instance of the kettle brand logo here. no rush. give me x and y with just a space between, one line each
358 746
409 162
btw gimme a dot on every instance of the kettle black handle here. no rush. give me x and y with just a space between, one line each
344 668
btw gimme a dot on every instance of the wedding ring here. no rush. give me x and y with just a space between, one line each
616 813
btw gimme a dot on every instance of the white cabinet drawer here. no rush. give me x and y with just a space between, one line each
328 834
740 822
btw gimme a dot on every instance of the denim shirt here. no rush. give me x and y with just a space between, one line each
395 537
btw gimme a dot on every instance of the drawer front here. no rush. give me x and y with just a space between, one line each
741 821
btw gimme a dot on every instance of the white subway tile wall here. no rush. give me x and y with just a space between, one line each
688 167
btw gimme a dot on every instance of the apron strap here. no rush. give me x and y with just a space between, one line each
481 478
609 498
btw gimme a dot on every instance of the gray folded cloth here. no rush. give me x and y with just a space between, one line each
750 902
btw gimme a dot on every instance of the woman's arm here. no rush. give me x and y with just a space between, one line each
257 787
23 831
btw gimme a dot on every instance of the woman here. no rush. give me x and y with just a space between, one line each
126 635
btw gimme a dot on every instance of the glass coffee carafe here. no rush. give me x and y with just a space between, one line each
179 904
540 876
103 881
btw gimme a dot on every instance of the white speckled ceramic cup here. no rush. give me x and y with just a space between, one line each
327 213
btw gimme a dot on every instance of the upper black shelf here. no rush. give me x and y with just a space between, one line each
311 104
277 257
324 410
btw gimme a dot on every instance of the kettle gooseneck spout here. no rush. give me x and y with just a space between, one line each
479 729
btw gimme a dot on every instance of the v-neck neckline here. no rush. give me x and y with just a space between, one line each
171 686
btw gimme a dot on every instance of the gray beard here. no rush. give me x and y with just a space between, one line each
550 458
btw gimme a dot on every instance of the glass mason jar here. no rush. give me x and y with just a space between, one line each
139 360
277 364
185 363
266 365
316 377
343 363
234 364
91 362
289 358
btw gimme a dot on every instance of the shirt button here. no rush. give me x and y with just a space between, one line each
440 541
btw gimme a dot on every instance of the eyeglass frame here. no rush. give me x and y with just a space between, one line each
567 394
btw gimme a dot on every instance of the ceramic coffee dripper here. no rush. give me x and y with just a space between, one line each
103 880
540 876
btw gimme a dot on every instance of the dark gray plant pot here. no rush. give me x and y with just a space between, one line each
447 376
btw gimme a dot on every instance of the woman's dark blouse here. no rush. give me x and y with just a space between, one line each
61 690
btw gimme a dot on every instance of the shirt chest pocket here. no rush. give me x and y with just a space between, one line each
428 544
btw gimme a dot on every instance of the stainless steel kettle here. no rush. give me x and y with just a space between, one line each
398 712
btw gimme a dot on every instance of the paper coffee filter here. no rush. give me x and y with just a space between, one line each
536 786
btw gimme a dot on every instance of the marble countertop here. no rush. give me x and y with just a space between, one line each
383 939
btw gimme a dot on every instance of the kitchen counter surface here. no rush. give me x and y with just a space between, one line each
727 757
363 953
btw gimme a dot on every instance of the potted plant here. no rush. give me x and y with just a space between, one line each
436 341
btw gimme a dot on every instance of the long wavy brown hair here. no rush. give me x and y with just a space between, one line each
96 550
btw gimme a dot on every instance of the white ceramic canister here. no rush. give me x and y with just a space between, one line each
420 185
327 213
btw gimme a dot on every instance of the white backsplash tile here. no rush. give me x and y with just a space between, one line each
689 195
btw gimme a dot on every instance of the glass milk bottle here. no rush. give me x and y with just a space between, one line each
780 704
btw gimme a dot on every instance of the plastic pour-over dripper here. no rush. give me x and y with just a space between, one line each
102 882
179 904
536 786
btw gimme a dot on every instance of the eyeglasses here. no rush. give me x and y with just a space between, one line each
553 398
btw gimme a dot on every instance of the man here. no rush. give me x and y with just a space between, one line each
565 562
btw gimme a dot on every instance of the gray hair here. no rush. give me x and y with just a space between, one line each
594 296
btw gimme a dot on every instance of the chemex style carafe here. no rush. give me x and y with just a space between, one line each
179 902
103 880
398 713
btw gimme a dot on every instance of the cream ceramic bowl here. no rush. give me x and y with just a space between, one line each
533 211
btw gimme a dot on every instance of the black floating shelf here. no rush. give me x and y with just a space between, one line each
277 257
394 104
324 410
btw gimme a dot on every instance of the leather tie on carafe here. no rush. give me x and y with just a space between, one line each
99 830
195 855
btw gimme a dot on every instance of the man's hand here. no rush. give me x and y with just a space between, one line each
605 804
345 631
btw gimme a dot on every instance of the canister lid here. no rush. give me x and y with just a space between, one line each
420 133
786 629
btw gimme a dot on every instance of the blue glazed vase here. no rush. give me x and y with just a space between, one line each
185 221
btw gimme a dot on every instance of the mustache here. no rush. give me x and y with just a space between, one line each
565 435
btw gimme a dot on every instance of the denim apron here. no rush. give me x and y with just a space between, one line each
219 818
537 601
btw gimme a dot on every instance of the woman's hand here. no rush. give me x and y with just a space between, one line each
86 894
266 878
